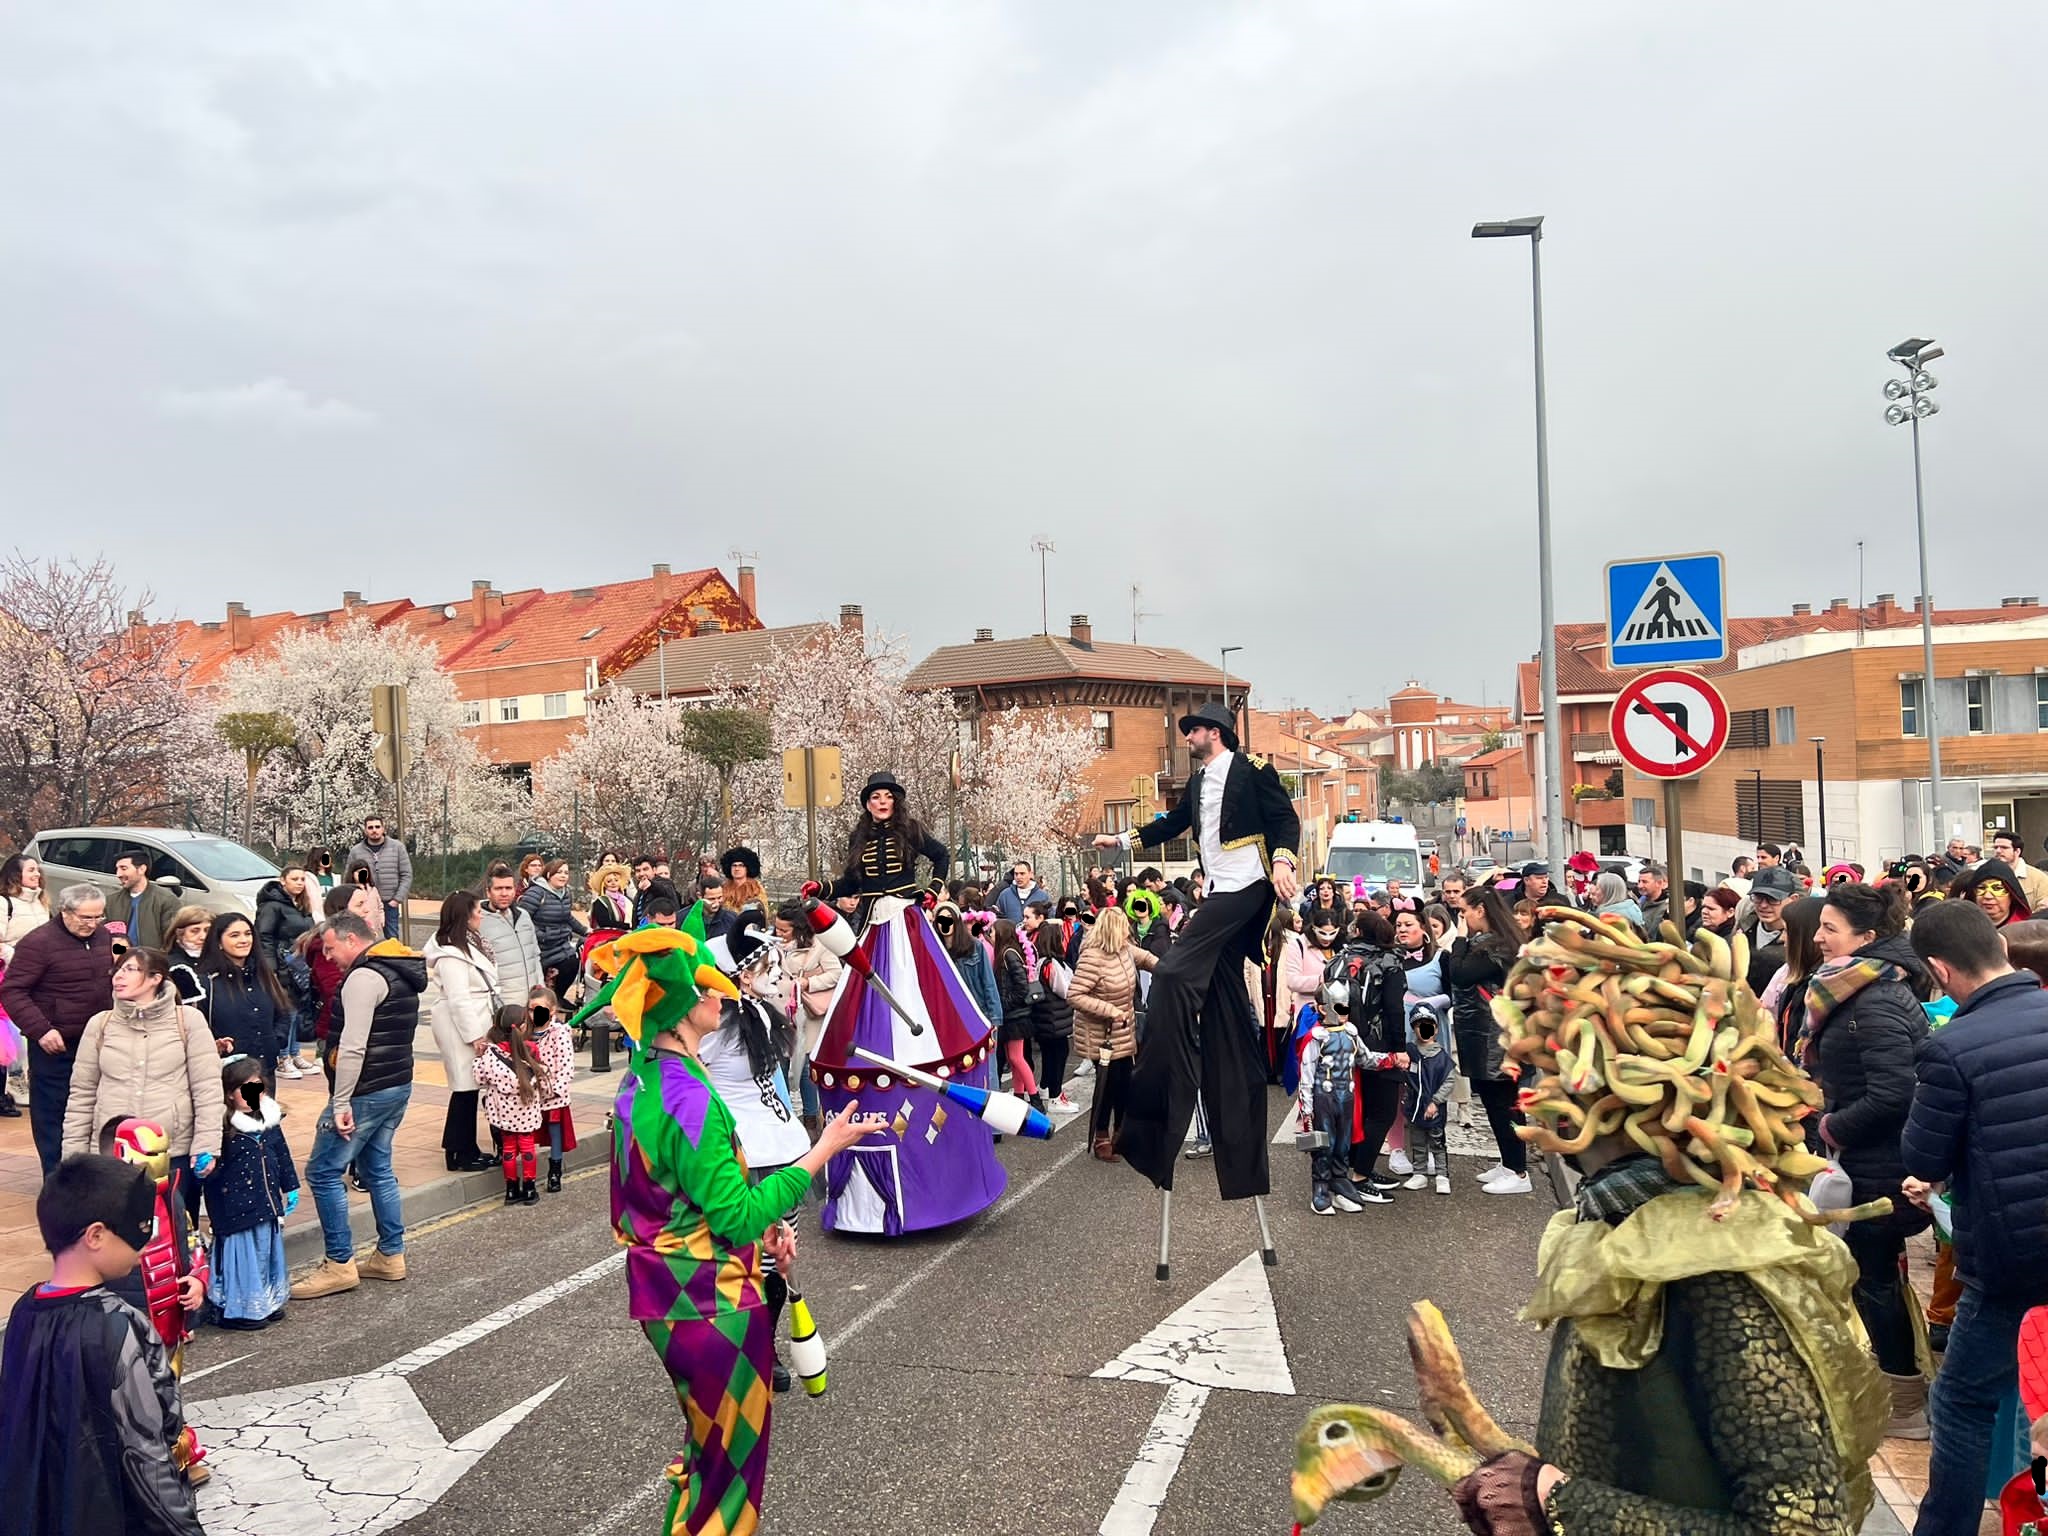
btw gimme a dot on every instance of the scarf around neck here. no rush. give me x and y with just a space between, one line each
1833 985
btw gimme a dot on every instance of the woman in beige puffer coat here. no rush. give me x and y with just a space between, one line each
1104 997
148 1056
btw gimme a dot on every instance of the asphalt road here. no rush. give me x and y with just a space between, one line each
472 1398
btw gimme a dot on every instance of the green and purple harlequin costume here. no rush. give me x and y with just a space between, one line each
690 1221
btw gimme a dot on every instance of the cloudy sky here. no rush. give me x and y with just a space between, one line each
298 298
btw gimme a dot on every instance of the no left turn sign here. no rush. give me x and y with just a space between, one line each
1669 724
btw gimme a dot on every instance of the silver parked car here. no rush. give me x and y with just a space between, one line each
206 871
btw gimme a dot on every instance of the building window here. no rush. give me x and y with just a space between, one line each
1350 791
1105 728
472 711
1749 728
1770 810
1116 815
1787 725
1976 703
508 710
554 706
1642 812
2041 701
1909 706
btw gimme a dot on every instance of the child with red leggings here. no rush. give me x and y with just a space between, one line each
509 1072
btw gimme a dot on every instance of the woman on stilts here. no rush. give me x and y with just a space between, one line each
694 1229
882 855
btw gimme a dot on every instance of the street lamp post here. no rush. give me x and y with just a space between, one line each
1820 794
1911 403
661 671
1553 716
1223 666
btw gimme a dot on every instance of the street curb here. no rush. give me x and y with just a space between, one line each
306 1245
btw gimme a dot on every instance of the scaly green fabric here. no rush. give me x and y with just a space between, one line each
1609 1283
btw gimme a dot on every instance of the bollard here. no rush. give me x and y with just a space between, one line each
600 1043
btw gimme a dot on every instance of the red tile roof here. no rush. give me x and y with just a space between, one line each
1043 658
1494 758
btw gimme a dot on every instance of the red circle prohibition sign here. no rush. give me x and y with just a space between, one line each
1669 723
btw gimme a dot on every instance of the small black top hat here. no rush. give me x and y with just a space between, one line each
882 780
1216 715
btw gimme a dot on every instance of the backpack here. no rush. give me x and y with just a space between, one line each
1057 977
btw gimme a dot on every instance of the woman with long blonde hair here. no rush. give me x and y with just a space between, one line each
1104 996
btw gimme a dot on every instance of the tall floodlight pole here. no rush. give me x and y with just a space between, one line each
1553 715
1911 404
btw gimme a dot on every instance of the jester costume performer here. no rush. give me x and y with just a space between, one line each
1708 1373
690 1222
172 1253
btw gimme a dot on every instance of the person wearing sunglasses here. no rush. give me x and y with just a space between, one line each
1997 892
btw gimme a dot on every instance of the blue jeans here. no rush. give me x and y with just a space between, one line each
390 919
49 1091
1980 1368
377 1118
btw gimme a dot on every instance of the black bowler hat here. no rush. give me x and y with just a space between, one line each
1216 715
882 780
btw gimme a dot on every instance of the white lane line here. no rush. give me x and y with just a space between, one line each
635 1504
1143 1493
490 1323
189 1377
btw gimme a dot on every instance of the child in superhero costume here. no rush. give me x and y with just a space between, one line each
1708 1373
90 1417
693 1227
169 1284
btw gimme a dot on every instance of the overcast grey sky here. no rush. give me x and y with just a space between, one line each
298 298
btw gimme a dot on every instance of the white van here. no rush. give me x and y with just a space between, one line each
1377 851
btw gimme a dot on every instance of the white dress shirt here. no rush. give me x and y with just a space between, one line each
1224 869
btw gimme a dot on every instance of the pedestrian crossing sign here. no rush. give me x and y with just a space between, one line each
1667 610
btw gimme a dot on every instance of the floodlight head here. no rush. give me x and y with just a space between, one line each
1509 229
1896 389
1897 415
1909 352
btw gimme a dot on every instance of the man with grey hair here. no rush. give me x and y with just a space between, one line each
377 1012
61 975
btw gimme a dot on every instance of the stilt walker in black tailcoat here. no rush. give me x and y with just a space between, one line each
1201 1036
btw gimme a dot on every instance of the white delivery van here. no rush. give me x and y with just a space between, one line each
1375 851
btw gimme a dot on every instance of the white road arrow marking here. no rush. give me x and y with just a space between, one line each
1226 1337
353 1455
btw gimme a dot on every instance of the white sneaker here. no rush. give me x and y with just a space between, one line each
290 1068
1060 1104
1397 1162
1443 1183
1086 1069
1513 1184
1493 1173
1419 1181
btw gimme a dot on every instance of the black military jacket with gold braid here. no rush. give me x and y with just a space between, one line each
887 866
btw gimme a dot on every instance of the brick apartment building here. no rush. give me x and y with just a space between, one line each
1603 821
1131 696
524 662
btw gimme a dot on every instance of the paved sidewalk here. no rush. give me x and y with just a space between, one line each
428 1188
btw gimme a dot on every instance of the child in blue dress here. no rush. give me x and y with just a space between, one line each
247 1199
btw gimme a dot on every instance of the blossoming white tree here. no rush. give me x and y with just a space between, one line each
327 781
625 781
92 724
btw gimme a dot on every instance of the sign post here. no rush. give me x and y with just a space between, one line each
810 783
1669 724
389 718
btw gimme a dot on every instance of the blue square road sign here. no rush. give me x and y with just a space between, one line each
1667 610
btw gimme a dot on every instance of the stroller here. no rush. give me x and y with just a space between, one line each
591 979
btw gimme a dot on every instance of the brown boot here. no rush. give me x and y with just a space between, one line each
382 1266
1105 1150
327 1278
1909 1407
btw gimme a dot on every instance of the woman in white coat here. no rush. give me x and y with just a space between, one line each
467 977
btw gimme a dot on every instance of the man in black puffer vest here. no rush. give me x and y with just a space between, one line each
1976 1125
378 1008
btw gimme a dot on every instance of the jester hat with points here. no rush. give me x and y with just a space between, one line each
658 974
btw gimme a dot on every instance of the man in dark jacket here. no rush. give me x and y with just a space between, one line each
1768 893
1976 1124
1202 1041
143 911
390 869
61 975
377 1012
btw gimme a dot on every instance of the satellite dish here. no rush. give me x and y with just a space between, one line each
448 611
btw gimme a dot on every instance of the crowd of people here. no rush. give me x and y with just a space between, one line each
1909 992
